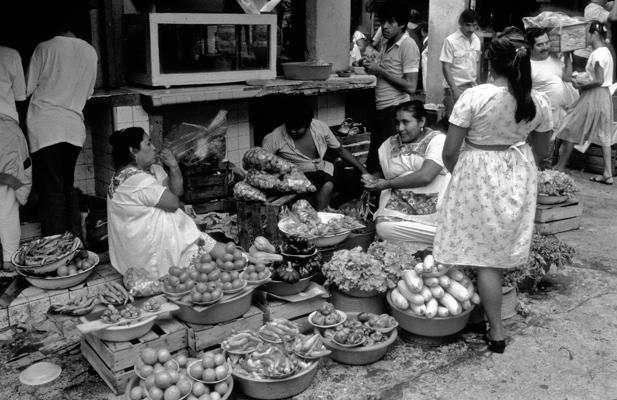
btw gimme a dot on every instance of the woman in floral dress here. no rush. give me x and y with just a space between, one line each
486 220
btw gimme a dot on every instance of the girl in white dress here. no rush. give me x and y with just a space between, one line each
486 219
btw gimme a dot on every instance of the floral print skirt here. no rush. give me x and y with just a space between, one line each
486 219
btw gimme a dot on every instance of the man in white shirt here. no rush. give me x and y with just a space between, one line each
60 79
15 169
397 74
460 58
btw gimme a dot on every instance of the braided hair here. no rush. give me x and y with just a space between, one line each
509 54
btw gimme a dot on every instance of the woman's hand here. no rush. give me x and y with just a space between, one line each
372 67
367 178
168 158
377 185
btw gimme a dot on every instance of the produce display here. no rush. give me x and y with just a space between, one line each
79 263
310 347
356 331
46 250
381 322
244 191
262 251
433 292
326 315
152 305
257 272
111 315
355 269
178 281
241 342
303 221
298 246
77 306
129 312
556 183
113 293
212 367
259 159
279 331
268 362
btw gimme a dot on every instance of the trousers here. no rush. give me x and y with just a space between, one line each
405 231
53 175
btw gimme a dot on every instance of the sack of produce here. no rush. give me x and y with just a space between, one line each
262 180
192 144
262 160
244 191
305 212
141 283
295 182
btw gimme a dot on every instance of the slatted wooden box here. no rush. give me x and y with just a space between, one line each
296 312
556 218
114 361
202 337
202 183
592 160
260 219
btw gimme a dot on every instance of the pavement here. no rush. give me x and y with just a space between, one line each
562 347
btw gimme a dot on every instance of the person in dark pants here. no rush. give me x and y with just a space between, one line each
397 74
60 78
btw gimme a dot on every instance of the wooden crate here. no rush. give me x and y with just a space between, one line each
568 37
202 337
114 361
260 219
202 184
551 219
297 312
592 160
357 145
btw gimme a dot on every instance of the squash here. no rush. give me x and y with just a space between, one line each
431 282
458 291
413 298
431 308
418 310
426 293
444 281
419 268
449 302
466 305
475 299
263 244
398 300
413 281
442 312
429 262
456 275
437 292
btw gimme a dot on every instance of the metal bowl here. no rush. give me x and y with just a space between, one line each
49 267
276 388
224 310
433 327
124 333
280 288
60 282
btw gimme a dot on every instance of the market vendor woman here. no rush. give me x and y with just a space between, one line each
413 179
147 227
303 141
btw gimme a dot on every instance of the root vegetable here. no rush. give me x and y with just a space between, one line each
453 306
431 308
414 298
442 312
458 291
437 292
398 300
413 281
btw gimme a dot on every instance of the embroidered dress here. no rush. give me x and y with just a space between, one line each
486 219
142 235
409 214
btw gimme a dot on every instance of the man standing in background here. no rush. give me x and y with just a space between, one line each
15 166
460 58
397 74
60 79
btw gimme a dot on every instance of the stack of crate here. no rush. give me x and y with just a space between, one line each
260 219
556 218
204 183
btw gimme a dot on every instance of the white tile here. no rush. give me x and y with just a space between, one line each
244 129
123 125
123 114
139 114
244 142
232 144
145 125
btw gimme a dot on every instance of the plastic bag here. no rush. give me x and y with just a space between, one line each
258 6
244 191
551 19
141 283
193 144
295 182
261 180
262 160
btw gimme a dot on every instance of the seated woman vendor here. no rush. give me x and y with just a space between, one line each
303 141
413 178
146 226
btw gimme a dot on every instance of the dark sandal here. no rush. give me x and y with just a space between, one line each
496 346
602 179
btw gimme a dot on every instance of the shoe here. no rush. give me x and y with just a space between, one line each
602 179
496 346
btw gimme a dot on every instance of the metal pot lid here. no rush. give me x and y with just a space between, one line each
40 373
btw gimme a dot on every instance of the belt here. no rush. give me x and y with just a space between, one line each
500 147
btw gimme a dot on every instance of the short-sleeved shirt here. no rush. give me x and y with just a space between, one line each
601 55
12 82
546 77
279 142
596 12
463 53
488 111
399 59
60 78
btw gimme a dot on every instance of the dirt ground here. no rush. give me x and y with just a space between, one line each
563 348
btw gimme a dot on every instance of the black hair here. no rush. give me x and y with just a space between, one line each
414 16
597 26
122 142
468 16
423 26
299 114
508 54
532 33
394 10
415 108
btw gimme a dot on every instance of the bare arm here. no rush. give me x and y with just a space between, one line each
347 156
176 183
539 144
454 141
566 74
446 68
168 201
422 177
597 80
